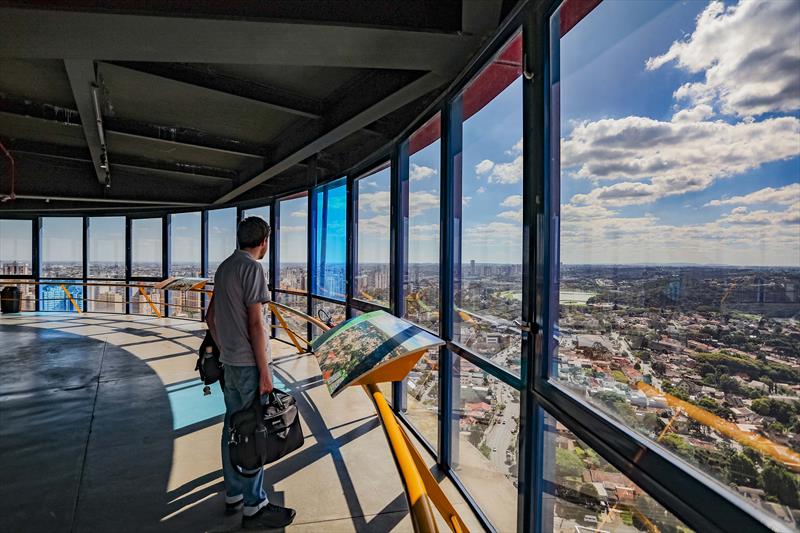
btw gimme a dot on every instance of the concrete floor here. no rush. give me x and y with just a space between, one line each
104 427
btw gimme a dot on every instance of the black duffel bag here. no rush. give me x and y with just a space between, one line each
263 432
10 299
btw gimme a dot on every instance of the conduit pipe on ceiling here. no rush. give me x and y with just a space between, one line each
7 197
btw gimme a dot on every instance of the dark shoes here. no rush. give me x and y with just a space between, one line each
269 517
233 508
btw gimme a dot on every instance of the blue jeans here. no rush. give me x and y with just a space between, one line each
241 386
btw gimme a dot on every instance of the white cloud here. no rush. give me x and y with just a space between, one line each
418 172
749 54
481 189
783 195
507 172
594 234
511 215
695 114
423 232
375 201
299 214
516 149
484 167
676 157
293 229
419 202
465 200
515 200
377 225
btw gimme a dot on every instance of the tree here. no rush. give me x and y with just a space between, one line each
742 470
568 464
778 482
659 367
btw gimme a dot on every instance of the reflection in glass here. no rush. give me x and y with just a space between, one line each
105 299
486 445
27 292
221 237
678 270
52 296
16 248
293 322
331 240
326 311
585 493
372 251
140 305
422 272
106 253
422 396
262 212
294 244
185 245
488 262
146 247
62 247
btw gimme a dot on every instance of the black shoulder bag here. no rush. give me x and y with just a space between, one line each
263 432
208 364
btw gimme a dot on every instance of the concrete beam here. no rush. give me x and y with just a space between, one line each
403 96
82 79
34 33
272 97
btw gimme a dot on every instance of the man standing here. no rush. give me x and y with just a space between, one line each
236 320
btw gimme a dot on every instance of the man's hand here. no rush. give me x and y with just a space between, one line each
265 383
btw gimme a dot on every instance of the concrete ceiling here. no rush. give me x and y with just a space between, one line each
215 102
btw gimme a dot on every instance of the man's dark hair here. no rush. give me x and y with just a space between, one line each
251 232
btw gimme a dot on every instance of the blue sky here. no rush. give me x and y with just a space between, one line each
680 134
680 143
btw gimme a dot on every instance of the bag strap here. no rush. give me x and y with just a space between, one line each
240 471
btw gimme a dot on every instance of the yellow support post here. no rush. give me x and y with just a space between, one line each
291 334
418 501
71 299
147 297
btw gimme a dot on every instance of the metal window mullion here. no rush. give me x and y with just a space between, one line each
203 257
398 267
166 255
450 147
352 210
36 254
311 248
128 262
85 261
274 259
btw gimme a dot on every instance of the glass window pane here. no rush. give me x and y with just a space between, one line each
140 305
146 247
106 299
326 311
488 263
486 445
294 243
62 247
185 304
373 242
27 292
585 493
422 396
293 322
52 296
330 220
106 247
677 274
185 245
16 247
422 273
221 237
262 212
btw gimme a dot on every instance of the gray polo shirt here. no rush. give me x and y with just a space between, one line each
239 281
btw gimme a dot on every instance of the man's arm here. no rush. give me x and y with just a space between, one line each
212 325
258 340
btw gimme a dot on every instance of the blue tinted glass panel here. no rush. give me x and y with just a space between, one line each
330 219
